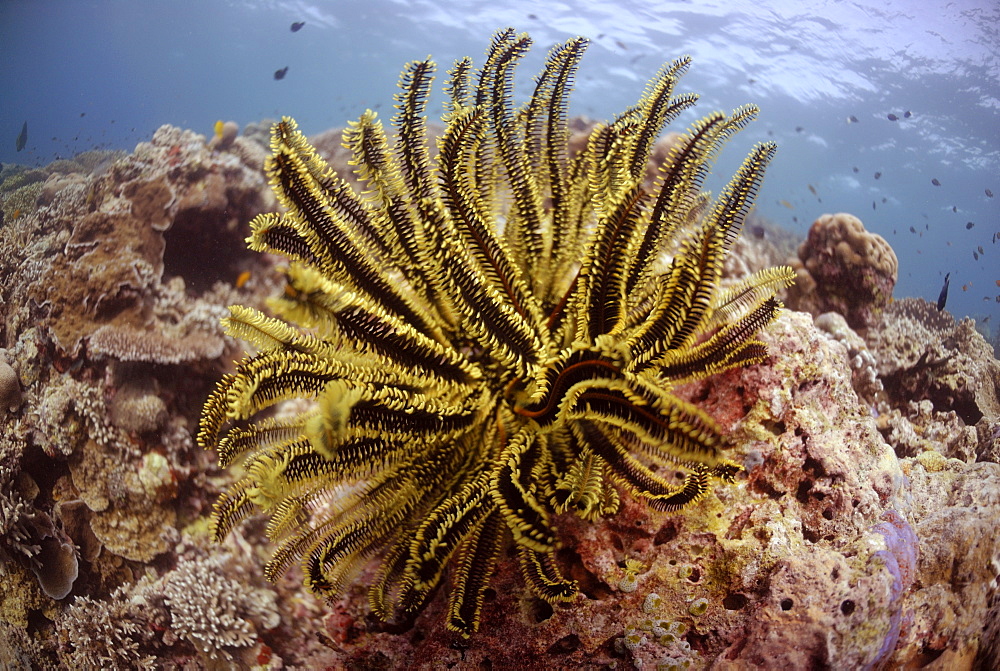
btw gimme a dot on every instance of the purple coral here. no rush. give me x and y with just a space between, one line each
900 559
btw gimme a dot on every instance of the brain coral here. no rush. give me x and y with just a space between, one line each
844 268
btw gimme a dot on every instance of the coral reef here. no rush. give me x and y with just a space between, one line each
481 362
941 380
864 370
197 611
843 268
862 535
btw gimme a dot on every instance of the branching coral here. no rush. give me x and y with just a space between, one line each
493 339
213 612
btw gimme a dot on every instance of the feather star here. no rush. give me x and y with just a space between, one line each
489 334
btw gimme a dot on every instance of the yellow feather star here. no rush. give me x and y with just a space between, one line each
487 334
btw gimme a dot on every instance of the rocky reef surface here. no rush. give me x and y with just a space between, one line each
862 536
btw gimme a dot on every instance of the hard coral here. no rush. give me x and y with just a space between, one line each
125 233
843 268
213 612
924 353
10 386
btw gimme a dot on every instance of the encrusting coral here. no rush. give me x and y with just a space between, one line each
496 341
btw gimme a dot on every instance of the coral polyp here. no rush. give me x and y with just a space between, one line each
491 335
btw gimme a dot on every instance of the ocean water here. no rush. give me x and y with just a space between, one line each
107 73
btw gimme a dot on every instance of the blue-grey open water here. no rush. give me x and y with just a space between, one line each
107 73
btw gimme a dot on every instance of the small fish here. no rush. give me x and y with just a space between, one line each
935 182
280 74
242 279
219 125
892 117
83 114
297 26
975 256
852 119
799 129
912 230
906 114
969 225
855 169
954 208
943 296
980 248
873 204
22 137
787 204
965 287
877 175
812 189
998 283
989 194
884 200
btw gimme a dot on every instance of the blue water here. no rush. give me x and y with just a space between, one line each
108 73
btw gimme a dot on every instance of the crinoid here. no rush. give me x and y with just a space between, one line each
490 336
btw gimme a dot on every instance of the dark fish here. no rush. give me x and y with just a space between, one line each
799 129
975 256
877 175
758 231
280 74
980 248
907 114
852 119
855 168
884 200
912 230
892 117
935 182
873 204
297 26
83 114
22 137
954 208
989 194
969 225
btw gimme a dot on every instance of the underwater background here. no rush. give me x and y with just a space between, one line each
108 73
853 521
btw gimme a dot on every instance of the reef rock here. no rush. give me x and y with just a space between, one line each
843 268
818 558
942 377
